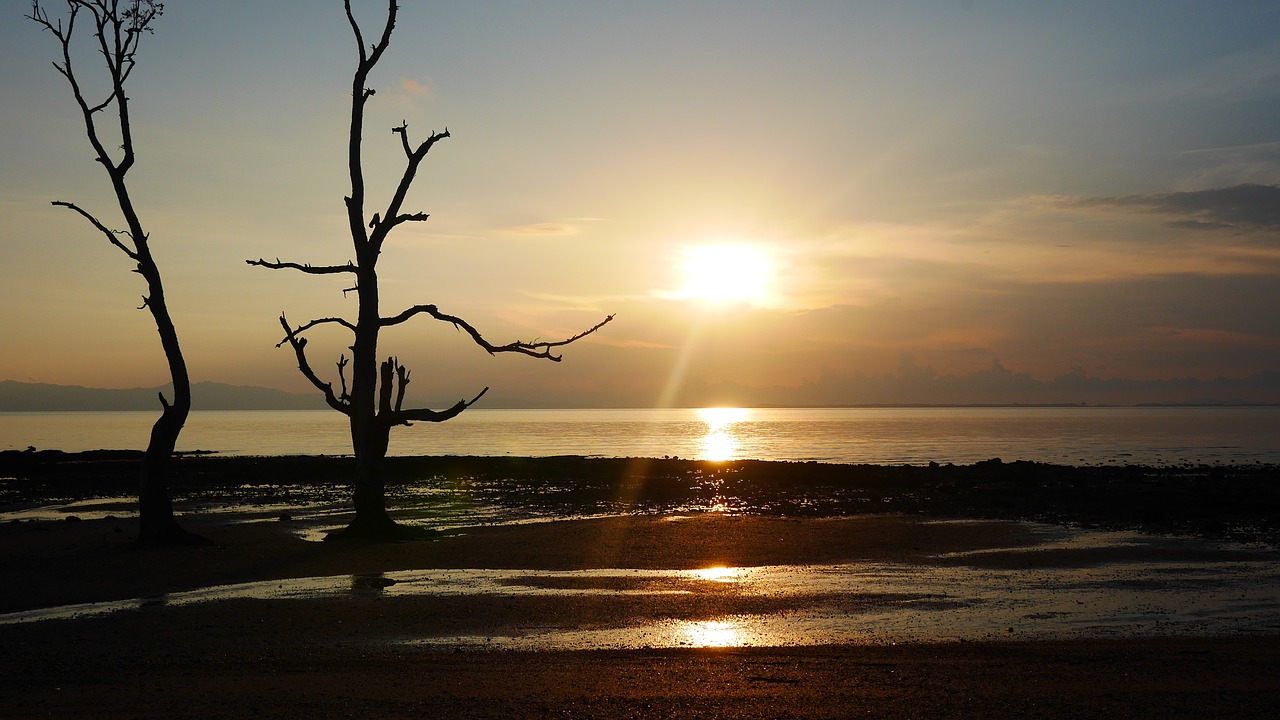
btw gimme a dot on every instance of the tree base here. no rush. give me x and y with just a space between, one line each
381 530
172 536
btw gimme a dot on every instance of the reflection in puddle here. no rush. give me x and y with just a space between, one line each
718 574
847 603
713 633
91 509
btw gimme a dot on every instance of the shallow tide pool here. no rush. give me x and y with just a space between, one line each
951 597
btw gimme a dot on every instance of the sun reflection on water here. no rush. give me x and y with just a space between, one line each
720 444
718 574
713 633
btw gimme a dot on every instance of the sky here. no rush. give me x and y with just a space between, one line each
782 202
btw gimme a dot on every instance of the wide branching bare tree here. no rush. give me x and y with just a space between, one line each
369 393
118 27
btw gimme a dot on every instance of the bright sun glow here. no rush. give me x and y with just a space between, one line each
718 574
719 444
721 418
713 633
726 273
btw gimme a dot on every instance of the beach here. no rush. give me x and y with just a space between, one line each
439 628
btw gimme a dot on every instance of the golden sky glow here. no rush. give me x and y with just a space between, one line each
810 203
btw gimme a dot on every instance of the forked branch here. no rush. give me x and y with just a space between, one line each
112 235
406 417
394 380
299 344
393 217
423 148
365 57
118 32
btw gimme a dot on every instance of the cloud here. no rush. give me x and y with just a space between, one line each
413 87
1231 165
1239 207
543 230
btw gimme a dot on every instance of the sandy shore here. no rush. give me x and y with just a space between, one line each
348 656
366 647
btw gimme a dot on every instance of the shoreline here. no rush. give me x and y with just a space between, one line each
1238 504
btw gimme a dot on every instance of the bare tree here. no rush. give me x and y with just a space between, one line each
118 28
373 401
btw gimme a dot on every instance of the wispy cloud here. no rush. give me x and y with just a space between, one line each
549 229
1232 165
1240 207
413 87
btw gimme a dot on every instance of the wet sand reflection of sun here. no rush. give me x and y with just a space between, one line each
718 574
712 633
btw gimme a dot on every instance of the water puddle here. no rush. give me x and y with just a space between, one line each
849 603
92 509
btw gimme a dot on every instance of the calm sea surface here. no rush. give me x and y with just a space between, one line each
1155 436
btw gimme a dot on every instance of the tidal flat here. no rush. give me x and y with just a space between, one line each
572 587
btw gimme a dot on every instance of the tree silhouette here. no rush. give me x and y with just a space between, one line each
118 28
374 400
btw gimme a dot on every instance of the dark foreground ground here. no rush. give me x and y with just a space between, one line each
348 656
1155 679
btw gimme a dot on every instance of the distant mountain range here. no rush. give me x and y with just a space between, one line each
36 397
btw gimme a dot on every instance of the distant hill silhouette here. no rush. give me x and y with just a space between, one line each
37 397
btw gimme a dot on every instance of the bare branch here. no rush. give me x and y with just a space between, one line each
416 217
403 132
402 374
385 387
535 348
393 217
304 267
64 34
342 378
320 321
299 348
117 31
405 417
110 234
355 28
378 48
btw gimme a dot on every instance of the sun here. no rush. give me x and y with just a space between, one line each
726 273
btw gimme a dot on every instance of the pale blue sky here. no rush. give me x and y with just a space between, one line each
932 180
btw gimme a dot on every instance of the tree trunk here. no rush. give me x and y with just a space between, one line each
370 436
372 522
156 523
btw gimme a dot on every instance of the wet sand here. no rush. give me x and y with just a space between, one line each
360 653
355 655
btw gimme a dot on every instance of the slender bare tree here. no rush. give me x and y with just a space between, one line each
118 27
373 401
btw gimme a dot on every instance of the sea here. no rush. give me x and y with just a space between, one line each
1159 436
